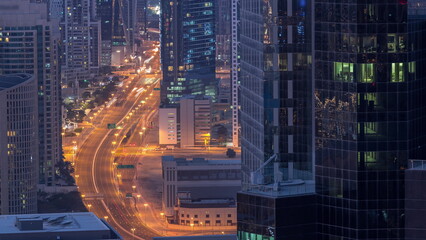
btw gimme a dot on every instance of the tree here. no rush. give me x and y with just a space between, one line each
65 169
231 153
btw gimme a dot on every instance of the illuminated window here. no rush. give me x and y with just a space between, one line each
343 72
367 73
397 72
412 67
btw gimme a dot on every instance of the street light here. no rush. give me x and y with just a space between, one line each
133 232
145 205
133 187
106 218
89 205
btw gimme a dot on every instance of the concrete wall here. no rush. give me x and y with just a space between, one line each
168 126
187 137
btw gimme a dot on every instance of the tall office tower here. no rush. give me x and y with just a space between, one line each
18 144
29 44
188 49
118 48
278 192
370 111
142 17
129 22
105 15
79 31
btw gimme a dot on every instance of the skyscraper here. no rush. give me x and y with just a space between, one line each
129 22
29 44
18 144
369 110
188 49
278 199
80 32
104 14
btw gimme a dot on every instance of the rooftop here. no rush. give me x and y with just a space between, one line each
415 164
52 222
11 80
205 237
207 203
199 161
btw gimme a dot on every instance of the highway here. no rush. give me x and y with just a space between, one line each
94 161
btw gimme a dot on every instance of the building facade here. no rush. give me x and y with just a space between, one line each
168 126
199 183
195 121
129 13
104 14
29 44
369 105
275 79
80 32
18 144
188 49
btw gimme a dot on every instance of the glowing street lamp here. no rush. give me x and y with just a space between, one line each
133 232
89 206
106 218
145 206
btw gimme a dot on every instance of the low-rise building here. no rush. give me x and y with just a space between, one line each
168 129
204 191
63 226
206 212
187 123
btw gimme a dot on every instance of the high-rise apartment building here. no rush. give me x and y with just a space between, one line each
18 144
277 199
80 31
369 111
188 49
29 44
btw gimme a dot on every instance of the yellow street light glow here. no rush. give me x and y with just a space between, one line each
145 204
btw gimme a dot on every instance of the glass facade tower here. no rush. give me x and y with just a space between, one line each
368 106
188 49
276 120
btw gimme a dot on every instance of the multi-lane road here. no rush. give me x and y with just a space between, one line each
94 165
